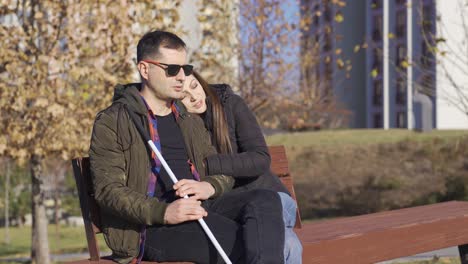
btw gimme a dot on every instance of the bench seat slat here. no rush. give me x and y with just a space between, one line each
387 235
387 220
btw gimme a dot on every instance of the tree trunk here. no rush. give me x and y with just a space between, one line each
7 203
56 213
40 243
19 221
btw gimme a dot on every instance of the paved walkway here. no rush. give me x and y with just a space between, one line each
446 252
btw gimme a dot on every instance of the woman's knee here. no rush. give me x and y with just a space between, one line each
292 247
289 207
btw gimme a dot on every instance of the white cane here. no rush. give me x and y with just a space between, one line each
201 221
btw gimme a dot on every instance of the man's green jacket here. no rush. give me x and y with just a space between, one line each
120 167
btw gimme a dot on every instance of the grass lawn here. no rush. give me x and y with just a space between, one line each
333 138
67 240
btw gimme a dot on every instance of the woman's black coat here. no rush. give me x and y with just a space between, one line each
250 162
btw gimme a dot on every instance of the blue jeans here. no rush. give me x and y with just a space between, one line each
292 244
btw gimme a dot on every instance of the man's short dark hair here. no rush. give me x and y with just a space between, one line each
149 44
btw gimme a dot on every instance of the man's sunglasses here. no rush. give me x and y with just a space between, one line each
173 69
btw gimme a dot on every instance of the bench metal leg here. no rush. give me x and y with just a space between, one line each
463 250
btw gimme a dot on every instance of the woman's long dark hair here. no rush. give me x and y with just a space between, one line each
220 127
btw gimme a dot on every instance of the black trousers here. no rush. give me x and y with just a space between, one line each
248 225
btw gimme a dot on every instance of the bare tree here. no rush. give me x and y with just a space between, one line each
217 56
314 104
253 45
444 54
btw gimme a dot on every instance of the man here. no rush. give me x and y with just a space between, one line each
142 216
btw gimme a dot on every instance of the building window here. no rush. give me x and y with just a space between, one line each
317 38
377 28
378 120
316 14
424 54
427 17
401 91
377 60
400 55
378 93
401 120
317 74
400 2
327 45
328 71
400 24
376 4
327 11
427 85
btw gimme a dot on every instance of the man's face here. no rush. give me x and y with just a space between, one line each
158 81
195 99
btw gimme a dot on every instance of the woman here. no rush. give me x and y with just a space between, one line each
243 152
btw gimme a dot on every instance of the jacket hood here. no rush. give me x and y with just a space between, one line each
129 95
222 90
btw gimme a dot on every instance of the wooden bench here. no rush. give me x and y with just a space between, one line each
90 209
361 239
387 235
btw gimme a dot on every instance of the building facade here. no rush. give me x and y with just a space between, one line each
406 76
394 81
452 66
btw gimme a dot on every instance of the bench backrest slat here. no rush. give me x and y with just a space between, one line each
280 167
89 208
